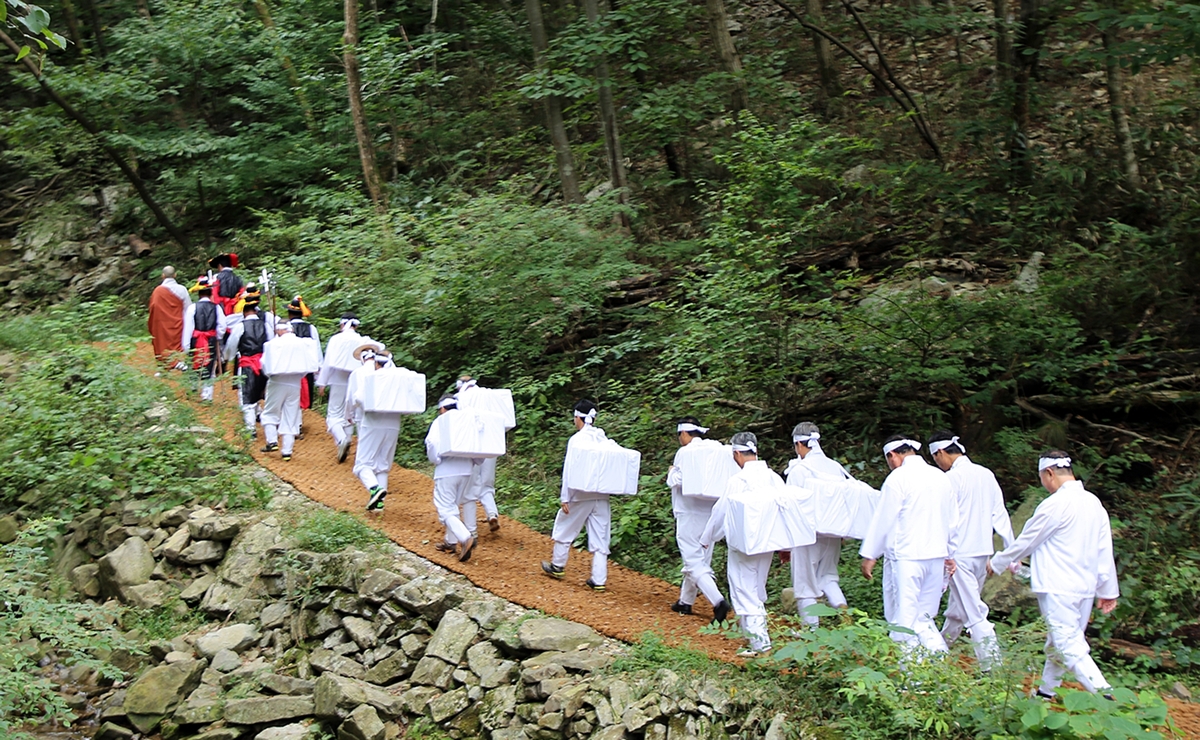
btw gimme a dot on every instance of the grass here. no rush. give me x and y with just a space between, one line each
326 531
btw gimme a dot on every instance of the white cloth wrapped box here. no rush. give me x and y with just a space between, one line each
606 467
758 522
468 433
706 466
339 353
291 355
843 508
394 390
497 401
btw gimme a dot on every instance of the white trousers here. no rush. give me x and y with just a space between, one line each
206 392
483 489
594 514
918 595
697 561
335 413
1066 647
447 495
815 574
281 412
748 591
375 454
966 610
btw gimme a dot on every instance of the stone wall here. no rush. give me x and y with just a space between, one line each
360 645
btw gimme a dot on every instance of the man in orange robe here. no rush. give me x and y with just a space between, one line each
168 303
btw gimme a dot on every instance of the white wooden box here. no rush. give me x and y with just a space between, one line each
468 433
290 355
758 522
706 466
497 401
394 390
602 468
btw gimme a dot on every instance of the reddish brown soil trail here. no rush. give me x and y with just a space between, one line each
506 563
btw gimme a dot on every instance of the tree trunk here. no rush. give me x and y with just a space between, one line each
138 185
1027 47
1116 106
553 108
608 117
68 9
718 26
264 14
366 147
97 33
1003 14
826 66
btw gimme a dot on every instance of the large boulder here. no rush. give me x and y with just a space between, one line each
428 596
201 552
454 634
130 564
158 692
337 696
204 706
220 528
235 637
540 635
8 529
260 710
362 724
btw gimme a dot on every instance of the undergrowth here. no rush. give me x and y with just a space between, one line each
326 531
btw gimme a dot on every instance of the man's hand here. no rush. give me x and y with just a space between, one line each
868 565
1106 605
990 571
320 391
951 567
566 507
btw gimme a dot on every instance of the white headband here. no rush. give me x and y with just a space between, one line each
462 385
367 354
348 322
806 437
747 447
588 418
1053 462
942 444
687 427
448 403
893 446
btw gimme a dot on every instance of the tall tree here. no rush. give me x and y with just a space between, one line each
608 117
731 62
366 147
1031 32
264 15
553 108
1116 105
826 66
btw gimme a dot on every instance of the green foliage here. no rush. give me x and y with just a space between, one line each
885 691
75 432
327 531
32 624
164 622
651 652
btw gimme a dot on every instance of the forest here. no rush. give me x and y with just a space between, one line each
883 217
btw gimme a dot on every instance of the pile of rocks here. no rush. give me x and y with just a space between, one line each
360 645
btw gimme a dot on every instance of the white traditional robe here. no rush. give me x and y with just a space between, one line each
691 517
377 435
339 351
1070 540
915 524
747 573
815 566
189 326
483 483
587 508
981 511
281 410
451 478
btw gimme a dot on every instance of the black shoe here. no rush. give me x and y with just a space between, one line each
465 548
1039 694
552 570
286 458
271 447
595 586
494 524
1110 697
681 608
720 611
376 499
444 546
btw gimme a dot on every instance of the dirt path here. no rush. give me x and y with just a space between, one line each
506 563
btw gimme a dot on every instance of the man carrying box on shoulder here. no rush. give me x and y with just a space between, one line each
595 467
451 476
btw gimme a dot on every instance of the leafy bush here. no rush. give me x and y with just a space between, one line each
328 531
33 624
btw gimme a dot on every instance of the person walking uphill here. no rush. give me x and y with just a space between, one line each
335 371
691 517
1070 540
981 511
915 525
377 435
168 304
578 508
451 476
204 323
286 360
249 338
